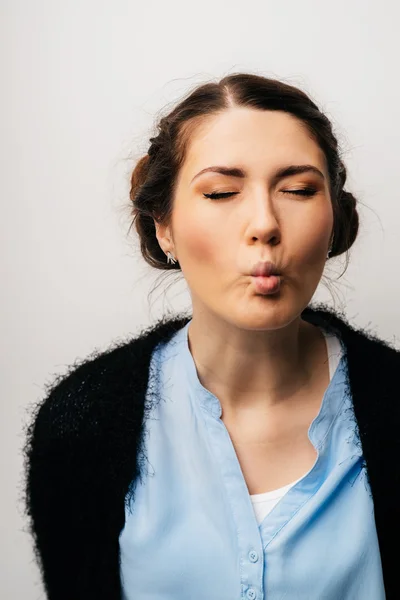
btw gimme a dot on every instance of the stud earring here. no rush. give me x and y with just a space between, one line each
170 258
330 250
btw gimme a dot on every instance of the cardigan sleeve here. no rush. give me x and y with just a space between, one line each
67 499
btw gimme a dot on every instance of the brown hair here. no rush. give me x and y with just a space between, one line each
154 176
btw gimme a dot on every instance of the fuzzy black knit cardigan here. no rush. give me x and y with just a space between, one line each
84 450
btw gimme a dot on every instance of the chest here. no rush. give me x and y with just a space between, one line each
268 467
270 464
273 448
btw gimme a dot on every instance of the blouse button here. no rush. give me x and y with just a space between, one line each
253 556
251 594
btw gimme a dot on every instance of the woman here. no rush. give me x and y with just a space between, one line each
247 450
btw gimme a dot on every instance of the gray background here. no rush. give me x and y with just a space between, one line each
82 83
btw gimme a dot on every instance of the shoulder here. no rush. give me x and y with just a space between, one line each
97 385
84 387
362 342
87 429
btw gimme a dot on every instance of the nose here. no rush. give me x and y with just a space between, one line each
263 226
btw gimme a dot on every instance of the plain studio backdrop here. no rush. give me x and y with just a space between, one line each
82 83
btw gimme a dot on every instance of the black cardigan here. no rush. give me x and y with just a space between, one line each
84 451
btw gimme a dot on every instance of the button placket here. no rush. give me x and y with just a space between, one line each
248 533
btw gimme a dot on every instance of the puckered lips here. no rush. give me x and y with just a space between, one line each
266 277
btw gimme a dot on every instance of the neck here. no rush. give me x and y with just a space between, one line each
251 368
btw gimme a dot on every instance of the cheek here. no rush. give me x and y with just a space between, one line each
198 245
198 241
314 238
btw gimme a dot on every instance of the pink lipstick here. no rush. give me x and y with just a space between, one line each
266 277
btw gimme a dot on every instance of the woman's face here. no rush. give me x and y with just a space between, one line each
218 241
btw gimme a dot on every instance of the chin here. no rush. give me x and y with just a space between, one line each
262 315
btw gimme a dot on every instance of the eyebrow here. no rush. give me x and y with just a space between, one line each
279 174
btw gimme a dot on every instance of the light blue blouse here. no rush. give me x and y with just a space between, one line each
191 532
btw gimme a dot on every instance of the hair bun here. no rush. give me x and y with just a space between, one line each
346 228
139 175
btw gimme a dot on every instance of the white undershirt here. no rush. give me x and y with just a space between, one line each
264 503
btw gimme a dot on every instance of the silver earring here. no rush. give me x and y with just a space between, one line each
170 258
329 251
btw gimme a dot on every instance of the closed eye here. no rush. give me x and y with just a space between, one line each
301 192
218 195
298 192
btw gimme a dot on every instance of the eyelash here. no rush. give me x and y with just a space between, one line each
301 192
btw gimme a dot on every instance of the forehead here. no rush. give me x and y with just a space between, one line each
252 138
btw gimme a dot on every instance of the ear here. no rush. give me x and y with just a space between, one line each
164 237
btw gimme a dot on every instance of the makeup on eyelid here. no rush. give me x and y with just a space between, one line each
306 192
